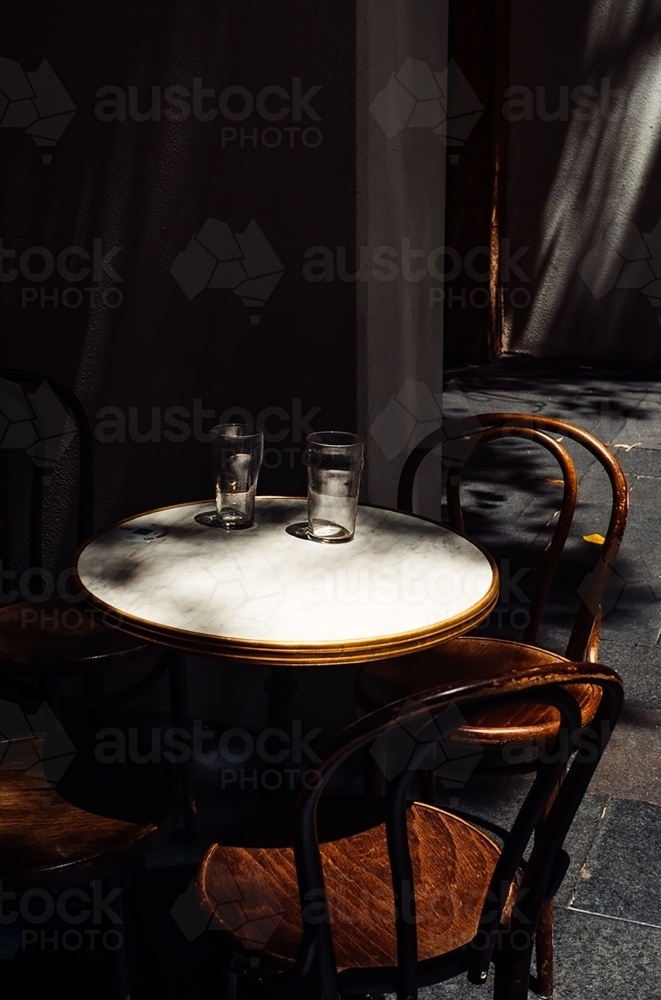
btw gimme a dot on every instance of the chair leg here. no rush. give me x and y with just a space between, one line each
512 972
544 933
93 683
229 985
51 693
180 718
428 787
122 979
544 952
281 686
375 782
136 895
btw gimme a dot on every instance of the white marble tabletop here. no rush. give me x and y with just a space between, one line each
403 583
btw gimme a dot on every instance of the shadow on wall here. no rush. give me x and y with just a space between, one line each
585 128
154 241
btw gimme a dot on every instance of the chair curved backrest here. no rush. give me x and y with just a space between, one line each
433 718
38 429
486 427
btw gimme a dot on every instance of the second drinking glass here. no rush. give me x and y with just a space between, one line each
236 458
335 461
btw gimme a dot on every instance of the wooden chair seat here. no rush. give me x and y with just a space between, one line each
96 818
251 893
332 916
56 637
466 660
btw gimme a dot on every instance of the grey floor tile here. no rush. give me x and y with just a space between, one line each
595 959
460 399
645 500
638 665
601 959
579 841
640 624
638 460
615 837
621 877
456 989
496 799
602 417
175 852
644 423
595 487
631 765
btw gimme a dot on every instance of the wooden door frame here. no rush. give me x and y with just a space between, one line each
476 185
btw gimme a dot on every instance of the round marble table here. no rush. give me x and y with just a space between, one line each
262 595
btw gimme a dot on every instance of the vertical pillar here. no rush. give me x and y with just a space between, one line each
401 88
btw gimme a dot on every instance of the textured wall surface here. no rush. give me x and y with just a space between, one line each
141 189
135 173
584 203
204 162
402 52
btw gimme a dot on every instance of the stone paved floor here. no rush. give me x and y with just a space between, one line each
608 923
609 907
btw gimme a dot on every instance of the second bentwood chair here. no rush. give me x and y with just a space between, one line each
471 658
417 895
45 637
77 827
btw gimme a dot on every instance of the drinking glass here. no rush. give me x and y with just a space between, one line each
236 458
334 461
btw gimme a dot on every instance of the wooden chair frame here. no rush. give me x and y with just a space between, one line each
583 642
543 873
84 528
92 670
584 639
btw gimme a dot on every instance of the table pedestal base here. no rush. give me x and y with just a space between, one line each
281 686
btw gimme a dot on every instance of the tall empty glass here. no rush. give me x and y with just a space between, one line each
236 458
335 461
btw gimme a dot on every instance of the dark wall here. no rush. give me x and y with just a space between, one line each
136 345
584 204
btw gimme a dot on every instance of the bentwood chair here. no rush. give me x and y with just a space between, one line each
418 894
472 658
75 828
46 631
